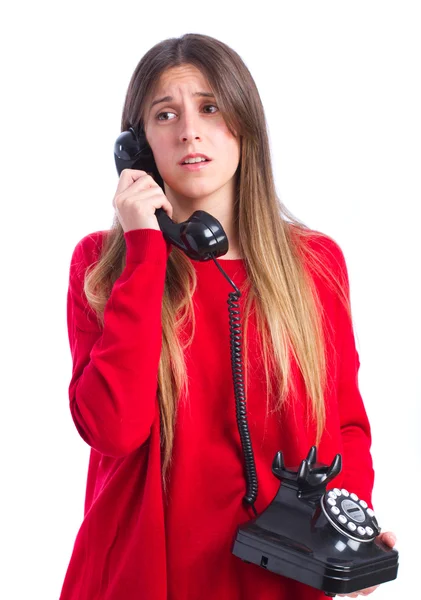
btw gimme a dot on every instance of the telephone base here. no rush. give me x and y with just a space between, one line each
332 570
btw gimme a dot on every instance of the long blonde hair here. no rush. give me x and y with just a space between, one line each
271 240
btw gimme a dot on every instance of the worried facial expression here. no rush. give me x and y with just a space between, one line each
178 121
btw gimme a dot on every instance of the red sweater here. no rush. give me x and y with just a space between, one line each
134 543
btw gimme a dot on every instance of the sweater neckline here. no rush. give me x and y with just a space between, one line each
225 262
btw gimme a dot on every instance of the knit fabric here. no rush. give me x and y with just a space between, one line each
135 543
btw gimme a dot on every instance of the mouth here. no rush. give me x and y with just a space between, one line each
198 166
194 156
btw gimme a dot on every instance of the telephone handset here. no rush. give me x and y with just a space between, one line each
201 235
326 540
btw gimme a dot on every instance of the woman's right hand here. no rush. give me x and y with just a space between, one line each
136 200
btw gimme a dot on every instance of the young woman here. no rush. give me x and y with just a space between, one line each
151 390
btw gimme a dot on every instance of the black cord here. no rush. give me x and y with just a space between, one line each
240 398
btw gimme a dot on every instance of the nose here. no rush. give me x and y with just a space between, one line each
189 126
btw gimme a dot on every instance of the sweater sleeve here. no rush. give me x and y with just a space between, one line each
358 473
113 387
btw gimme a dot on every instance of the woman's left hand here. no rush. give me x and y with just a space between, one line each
387 538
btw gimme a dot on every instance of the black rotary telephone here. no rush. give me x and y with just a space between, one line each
326 540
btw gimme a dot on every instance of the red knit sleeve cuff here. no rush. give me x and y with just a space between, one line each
146 245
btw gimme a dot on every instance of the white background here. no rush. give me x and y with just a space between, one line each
340 83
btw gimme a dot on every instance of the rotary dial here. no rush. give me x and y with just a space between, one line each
350 515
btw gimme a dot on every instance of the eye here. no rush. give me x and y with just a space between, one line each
211 105
166 112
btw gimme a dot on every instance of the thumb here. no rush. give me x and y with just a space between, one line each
389 538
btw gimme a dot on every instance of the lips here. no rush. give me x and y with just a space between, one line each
194 155
196 166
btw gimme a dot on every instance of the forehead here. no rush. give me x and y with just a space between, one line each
182 76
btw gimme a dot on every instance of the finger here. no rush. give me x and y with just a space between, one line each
141 189
389 538
364 592
369 590
128 177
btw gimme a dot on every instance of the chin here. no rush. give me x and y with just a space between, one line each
194 189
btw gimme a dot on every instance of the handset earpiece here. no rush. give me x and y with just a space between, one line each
202 236
132 151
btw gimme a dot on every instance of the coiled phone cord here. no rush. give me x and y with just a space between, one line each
240 398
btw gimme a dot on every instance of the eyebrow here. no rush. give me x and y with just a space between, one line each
170 98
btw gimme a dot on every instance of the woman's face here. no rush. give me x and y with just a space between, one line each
190 123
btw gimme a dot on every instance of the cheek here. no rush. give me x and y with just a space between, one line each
161 155
232 150
231 144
